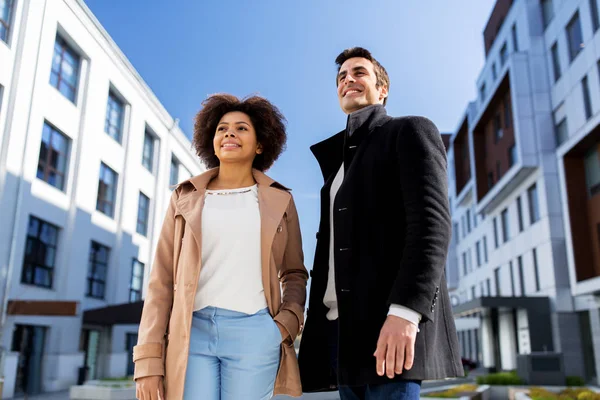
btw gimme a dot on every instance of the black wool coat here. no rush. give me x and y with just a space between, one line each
391 231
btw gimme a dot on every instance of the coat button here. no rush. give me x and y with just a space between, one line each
279 229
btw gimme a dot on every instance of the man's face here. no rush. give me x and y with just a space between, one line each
357 85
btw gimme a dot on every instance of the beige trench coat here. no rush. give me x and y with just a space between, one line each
164 332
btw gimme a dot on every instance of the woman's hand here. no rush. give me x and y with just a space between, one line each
150 388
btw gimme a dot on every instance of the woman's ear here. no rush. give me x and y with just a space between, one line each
259 149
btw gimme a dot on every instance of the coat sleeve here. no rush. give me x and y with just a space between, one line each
422 165
293 278
148 355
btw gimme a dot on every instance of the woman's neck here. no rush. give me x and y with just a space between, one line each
232 177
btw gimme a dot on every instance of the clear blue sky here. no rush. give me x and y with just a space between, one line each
285 50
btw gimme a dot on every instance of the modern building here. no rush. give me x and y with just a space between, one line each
524 168
87 158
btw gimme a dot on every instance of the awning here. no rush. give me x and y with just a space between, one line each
535 305
119 314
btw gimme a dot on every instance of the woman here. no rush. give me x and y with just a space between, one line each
226 295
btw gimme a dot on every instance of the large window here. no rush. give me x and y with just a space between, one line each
505 226
97 270
547 12
137 279
174 177
520 213
52 162
65 69
534 207
40 253
592 172
512 155
143 213
587 101
497 128
148 151
594 12
6 7
556 70
464 260
496 243
574 36
503 54
507 112
521 275
497 281
561 131
485 252
478 252
468 218
494 72
536 272
512 278
515 39
107 190
115 110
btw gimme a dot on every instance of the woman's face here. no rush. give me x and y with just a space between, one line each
235 139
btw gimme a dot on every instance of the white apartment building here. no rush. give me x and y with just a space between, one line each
87 158
524 168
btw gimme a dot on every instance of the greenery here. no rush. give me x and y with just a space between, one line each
575 381
120 379
500 378
567 394
454 392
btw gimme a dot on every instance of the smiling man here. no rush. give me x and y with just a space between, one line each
379 316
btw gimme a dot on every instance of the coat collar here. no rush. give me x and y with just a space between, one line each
330 152
273 201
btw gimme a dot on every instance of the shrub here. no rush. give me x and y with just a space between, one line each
567 394
454 392
575 381
500 378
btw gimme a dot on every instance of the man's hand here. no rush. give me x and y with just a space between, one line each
396 346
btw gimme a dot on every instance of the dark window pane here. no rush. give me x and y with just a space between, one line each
561 131
556 62
574 36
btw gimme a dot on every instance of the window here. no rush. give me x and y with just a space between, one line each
496 233
594 12
478 252
143 212
482 92
587 102
505 226
521 275
498 169
485 253
556 71
52 162
473 294
503 54
497 279
592 172
137 280
534 208
456 233
115 110
497 128
174 178
468 218
490 180
536 271
97 270
512 155
148 151
65 69
40 253
512 278
107 190
520 213
547 12
561 131
494 72
481 289
463 226
470 260
464 259
507 113
574 36
515 39
488 284
5 18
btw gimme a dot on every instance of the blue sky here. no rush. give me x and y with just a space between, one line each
285 50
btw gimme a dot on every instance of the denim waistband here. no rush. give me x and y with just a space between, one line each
211 312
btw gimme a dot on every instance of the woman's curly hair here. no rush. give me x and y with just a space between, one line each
268 122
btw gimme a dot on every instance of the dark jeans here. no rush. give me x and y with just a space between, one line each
404 390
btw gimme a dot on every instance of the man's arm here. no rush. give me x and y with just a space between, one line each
424 189
424 192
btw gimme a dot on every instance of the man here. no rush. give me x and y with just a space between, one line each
379 316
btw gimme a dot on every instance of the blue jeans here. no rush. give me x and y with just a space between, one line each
233 356
405 390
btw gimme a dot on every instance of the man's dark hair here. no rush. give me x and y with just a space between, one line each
380 73
267 120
